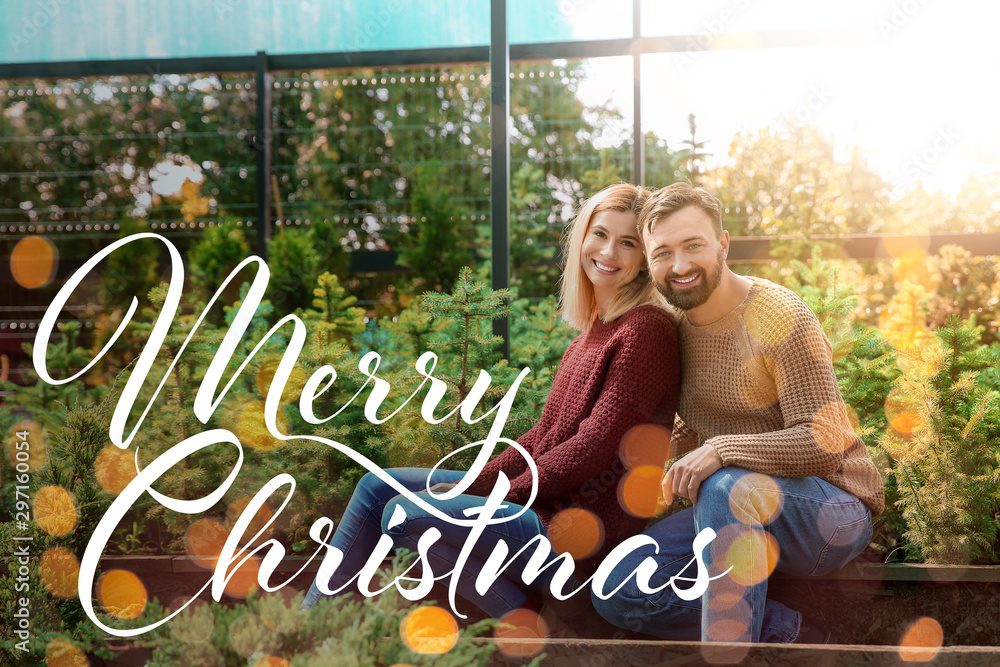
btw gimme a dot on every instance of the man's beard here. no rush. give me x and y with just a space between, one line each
694 296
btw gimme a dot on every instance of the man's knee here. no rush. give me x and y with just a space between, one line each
736 495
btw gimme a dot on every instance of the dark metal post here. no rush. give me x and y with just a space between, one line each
262 142
638 140
500 158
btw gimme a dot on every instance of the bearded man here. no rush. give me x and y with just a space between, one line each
770 460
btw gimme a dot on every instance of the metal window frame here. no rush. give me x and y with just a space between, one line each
499 54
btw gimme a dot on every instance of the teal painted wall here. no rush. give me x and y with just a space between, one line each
56 30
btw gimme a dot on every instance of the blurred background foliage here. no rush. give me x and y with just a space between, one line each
396 162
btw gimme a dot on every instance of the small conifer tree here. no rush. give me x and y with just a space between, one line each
942 438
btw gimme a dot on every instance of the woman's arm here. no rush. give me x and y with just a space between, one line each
643 376
510 461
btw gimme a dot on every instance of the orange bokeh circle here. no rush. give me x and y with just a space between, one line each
429 630
54 510
922 641
639 491
114 469
33 262
517 626
61 652
60 572
646 445
575 531
121 593
204 540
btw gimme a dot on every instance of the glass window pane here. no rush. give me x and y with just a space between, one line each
568 20
713 17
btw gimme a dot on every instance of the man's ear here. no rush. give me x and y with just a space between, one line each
724 242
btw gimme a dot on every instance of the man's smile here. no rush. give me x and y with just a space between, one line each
685 282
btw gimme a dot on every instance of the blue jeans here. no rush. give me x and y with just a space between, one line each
373 504
801 526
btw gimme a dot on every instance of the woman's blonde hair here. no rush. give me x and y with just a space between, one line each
577 303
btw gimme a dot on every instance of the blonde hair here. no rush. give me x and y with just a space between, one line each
577 302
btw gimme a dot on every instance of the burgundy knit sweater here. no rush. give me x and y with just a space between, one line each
615 376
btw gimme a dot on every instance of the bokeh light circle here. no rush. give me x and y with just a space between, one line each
429 630
59 571
575 531
243 581
755 499
769 319
639 491
752 556
922 641
121 594
713 653
646 445
114 469
33 262
199 629
898 246
756 384
61 652
915 267
54 510
832 429
904 407
293 388
272 661
517 626
203 541
253 431
726 600
727 630
260 518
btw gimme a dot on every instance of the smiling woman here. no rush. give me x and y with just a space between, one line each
611 256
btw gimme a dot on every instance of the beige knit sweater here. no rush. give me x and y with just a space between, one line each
758 385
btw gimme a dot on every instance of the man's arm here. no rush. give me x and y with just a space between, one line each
816 430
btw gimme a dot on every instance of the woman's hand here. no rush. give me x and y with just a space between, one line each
440 488
687 474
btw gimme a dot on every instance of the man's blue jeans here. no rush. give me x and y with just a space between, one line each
801 526
372 505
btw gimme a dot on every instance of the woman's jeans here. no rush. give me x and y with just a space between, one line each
373 504
800 526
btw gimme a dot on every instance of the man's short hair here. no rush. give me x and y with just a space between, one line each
672 198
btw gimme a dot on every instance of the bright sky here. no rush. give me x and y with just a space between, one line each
920 94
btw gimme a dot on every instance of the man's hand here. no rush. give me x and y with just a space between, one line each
687 474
